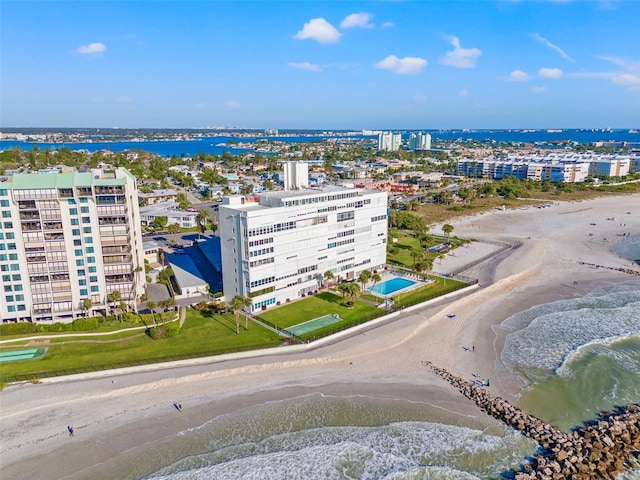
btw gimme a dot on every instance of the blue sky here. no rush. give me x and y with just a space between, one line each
321 65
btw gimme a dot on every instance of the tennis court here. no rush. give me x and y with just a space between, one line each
314 324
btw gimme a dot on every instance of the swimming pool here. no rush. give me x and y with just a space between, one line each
391 286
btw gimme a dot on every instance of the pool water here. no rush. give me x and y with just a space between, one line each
391 286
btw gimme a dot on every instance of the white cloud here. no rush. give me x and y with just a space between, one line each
419 98
362 20
538 90
554 73
461 57
304 66
388 25
622 62
232 105
95 47
463 93
627 80
402 66
518 76
320 30
547 43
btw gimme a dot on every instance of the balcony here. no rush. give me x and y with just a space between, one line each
65 192
110 190
27 205
35 215
52 226
112 220
84 191
54 236
119 278
39 278
117 259
31 226
36 258
116 250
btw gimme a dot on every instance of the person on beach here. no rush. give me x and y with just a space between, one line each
70 429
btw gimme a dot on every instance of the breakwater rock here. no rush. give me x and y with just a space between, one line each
601 449
628 271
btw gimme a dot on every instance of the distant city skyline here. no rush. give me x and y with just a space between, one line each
385 65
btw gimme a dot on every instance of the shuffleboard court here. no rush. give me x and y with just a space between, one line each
314 324
15 355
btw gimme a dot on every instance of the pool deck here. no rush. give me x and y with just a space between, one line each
390 276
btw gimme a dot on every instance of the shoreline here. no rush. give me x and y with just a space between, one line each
115 421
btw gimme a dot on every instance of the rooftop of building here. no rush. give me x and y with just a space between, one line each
50 180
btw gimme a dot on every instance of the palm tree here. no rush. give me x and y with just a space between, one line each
447 229
376 278
86 305
123 308
328 275
343 288
203 219
442 256
353 291
238 303
364 277
115 298
151 305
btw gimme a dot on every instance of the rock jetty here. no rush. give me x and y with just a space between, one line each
628 271
602 449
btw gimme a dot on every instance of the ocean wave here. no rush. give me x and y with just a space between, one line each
403 450
540 340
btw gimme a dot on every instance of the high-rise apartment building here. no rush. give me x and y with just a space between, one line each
420 141
389 141
67 237
278 248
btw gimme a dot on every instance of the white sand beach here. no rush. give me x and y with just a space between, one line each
118 414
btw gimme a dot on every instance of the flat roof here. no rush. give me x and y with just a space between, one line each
51 180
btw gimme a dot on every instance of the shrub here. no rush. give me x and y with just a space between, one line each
83 324
172 329
17 328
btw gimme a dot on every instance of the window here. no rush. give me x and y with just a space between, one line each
83 292
6 214
74 221
6 278
15 267
73 211
88 240
11 308
13 256
3 246
78 252
93 279
3 192
77 242
91 259
84 209
1 236
20 298
3 257
81 272
82 283
86 219
9 298
11 235
8 224
4 268
86 229
94 288
76 232
89 249
11 246
17 288
8 288
4 203
16 277
71 201
21 308
83 199
79 263
92 270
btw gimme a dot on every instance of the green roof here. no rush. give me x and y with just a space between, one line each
23 181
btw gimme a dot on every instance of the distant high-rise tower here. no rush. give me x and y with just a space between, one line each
389 141
296 175
420 141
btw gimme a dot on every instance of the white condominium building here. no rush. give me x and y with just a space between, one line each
279 248
389 141
65 238
420 141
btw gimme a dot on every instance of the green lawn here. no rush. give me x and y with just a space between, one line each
201 335
316 306
440 287
404 252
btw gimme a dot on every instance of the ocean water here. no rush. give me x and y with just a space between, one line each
316 437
